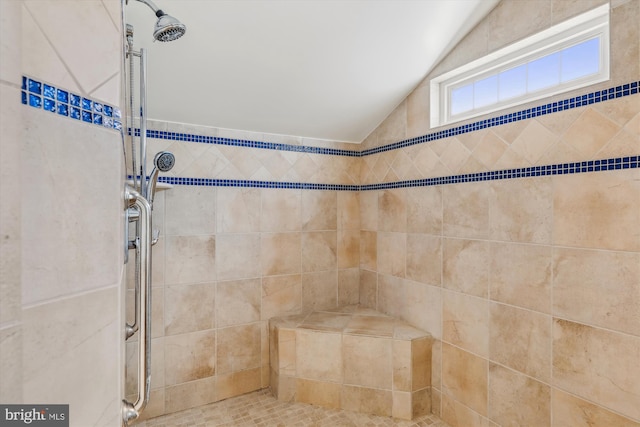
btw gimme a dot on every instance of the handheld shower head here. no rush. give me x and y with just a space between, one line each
162 162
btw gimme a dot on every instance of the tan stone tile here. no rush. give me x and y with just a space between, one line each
465 322
281 253
489 149
190 259
392 249
421 363
569 410
424 258
598 287
464 377
401 407
521 339
326 321
393 128
281 210
368 289
521 275
319 355
180 206
238 256
392 210
379 326
367 400
466 210
237 383
619 110
521 210
189 395
286 349
597 210
188 308
421 305
238 348
590 132
625 55
281 295
465 266
533 141
319 210
368 361
421 402
436 364
456 414
418 107
319 290
625 143
511 21
369 210
515 399
436 402
319 250
155 407
238 302
348 215
348 286
402 373
348 249
369 250
455 155
189 357
318 393
598 365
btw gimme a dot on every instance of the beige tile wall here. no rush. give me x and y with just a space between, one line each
228 260
532 284
491 269
61 195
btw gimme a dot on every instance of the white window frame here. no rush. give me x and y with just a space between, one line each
589 25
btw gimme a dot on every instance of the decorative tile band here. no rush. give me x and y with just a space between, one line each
174 136
554 107
618 163
65 103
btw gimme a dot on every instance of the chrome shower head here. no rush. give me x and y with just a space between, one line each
164 161
168 28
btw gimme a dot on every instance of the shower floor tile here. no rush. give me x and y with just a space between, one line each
260 408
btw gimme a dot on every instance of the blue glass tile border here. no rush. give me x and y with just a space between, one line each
64 103
554 107
203 139
618 163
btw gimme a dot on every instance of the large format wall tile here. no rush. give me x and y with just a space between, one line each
598 365
464 377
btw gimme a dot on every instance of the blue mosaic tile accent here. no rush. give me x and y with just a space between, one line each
49 105
619 163
42 95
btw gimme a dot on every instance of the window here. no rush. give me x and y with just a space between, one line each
570 55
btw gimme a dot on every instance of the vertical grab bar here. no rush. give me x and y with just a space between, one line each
131 411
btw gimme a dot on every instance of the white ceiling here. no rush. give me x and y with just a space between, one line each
326 69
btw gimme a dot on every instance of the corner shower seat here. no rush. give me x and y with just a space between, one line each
352 358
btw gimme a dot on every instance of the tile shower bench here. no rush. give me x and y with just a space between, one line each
351 358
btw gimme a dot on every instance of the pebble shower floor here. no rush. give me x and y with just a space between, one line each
260 408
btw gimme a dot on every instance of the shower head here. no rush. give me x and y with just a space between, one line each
164 161
167 28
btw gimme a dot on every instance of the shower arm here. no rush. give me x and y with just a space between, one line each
153 7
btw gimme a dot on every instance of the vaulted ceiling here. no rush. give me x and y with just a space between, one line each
326 69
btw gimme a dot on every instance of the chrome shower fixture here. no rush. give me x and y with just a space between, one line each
167 28
162 162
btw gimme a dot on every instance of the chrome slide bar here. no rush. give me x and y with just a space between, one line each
131 411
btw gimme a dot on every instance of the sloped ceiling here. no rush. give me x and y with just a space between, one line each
325 69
